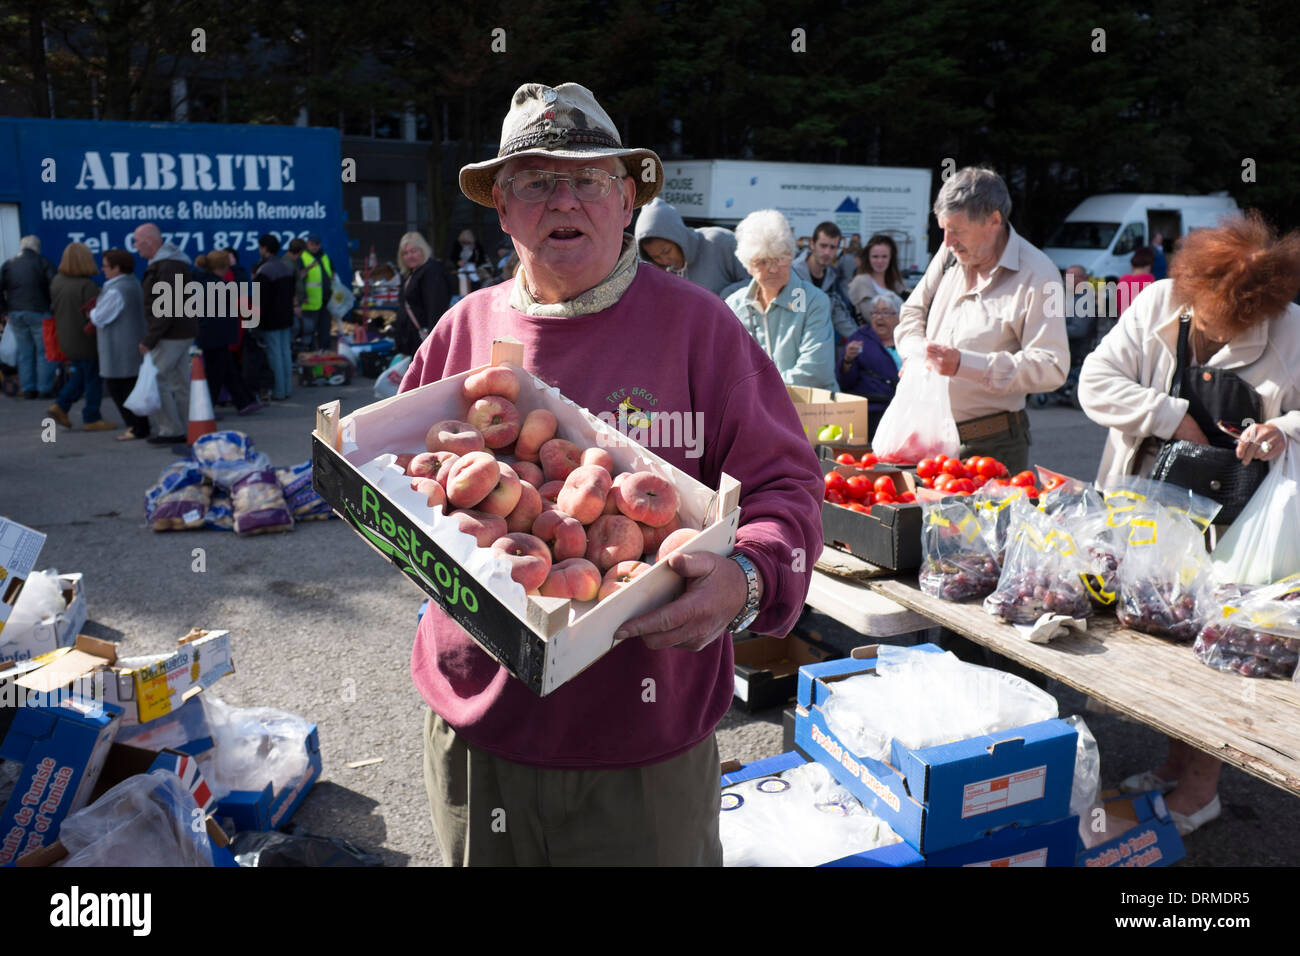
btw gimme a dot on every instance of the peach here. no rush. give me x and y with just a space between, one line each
403 462
529 472
575 578
619 575
598 456
444 470
526 510
584 492
646 498
496 418
611 502
471 478
503 497
559 457
482 527
613 538
454 436
551 491
564 533
431 490
530 560
538 428
424 465
655 536
673 542
497 380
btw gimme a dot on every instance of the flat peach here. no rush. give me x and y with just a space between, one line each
497 380
619 575
526 510
424 465
551 491
559 457
564 533
503 497
529 472
646 498
454 436
433 491
598 456
574 578
655 536
471 478
613 538
496 418
673 542
584 493
538 428
530 559
484 528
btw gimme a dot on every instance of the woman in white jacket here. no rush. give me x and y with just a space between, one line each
1236 284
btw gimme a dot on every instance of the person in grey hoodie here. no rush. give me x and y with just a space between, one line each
705 256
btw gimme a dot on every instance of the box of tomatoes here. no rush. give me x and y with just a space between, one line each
492 492
872 513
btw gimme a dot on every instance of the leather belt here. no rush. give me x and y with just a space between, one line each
989 425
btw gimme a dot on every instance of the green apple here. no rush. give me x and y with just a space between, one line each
830 433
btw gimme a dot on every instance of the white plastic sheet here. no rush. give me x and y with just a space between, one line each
146 820
1263 544
253 746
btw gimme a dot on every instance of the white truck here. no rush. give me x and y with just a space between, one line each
859 199
1103 232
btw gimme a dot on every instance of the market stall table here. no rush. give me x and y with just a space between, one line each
836 592
1247 723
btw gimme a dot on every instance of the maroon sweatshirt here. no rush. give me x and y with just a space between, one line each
665 346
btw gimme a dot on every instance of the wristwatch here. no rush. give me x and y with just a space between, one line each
746 615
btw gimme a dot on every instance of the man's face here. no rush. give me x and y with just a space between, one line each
313 247
878 257
664 253
147 243
566 246
824 248
972 242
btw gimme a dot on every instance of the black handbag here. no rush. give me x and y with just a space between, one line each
1212 471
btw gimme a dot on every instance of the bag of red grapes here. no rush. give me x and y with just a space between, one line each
1083 513
1043 571
1255 631
1166 583
1127 494
959 551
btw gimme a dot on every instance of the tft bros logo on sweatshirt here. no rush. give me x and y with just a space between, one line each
636 418
78 909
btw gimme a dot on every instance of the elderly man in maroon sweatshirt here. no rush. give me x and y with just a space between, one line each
620 765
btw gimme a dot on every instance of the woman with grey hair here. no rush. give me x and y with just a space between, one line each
425 296
788 317
987 315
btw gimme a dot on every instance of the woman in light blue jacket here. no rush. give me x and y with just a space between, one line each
788 317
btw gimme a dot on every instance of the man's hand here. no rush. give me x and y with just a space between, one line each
852 351
944 359
1251 445
144 349
1188 430
715 593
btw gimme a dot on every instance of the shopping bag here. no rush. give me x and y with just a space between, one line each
51 336
386 385
918 423
9 345
1263 544
341 298
145 399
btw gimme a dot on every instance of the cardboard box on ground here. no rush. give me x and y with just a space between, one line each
20 546
819 408
542 641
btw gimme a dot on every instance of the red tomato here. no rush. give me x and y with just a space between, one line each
940 458
980 482
857 487
869 460
907 497
970 463
1026 479
885 499
988 468
845 459
1003 472
941 483
927 482
1032 492
885 485
835 481
834 497
860 508
961 486
927 468
953 467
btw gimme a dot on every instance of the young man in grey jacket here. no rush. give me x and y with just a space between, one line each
705 256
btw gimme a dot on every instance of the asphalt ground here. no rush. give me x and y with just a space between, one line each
322 626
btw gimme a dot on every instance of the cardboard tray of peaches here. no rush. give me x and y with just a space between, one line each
535 526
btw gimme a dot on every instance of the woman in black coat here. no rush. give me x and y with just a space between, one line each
425 296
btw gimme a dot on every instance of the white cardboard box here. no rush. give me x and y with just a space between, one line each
24 643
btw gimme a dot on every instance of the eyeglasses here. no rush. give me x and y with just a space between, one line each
537 185
762 265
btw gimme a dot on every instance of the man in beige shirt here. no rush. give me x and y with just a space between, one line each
989 314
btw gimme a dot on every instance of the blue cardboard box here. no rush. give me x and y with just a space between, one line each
897 854
1151 839
1046 844
62 747
947 795
265 809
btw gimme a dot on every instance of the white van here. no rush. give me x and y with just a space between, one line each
1102 232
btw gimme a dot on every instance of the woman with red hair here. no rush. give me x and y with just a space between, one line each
1229 296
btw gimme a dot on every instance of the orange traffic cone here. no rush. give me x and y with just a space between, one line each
202 420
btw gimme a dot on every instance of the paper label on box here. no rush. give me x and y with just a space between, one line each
191 516
154 697
1032 858
998 793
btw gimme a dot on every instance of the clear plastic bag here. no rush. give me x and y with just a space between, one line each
226 457
924 699
253 746
1126 493
1165 579
41 599
258 504
1083 513
1263 544
918 422
959 552
1255 632
146 820
801 818
1042 573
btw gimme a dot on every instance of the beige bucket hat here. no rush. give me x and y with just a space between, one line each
561 122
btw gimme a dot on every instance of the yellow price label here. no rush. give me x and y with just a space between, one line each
939 520
153 695
1062 541
969 526
1095 585
1135 529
